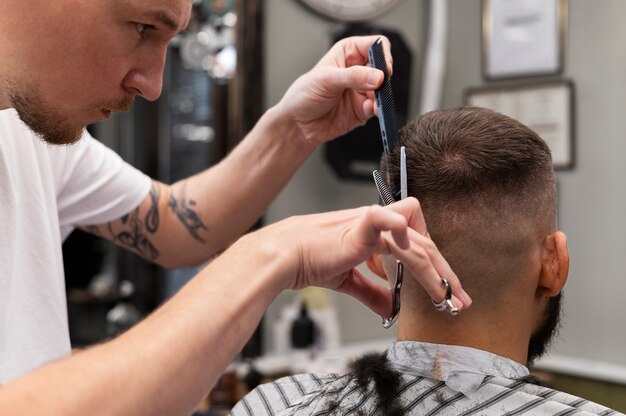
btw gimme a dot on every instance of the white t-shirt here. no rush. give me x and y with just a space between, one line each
44 191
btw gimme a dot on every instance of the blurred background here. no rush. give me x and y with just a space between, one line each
237 58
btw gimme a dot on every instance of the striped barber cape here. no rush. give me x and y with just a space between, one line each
426 379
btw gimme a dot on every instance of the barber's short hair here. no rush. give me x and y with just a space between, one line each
486 186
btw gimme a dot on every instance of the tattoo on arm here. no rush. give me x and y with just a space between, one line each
184 210
152 217
134 237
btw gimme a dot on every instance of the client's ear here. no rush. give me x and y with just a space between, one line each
554 265
375 264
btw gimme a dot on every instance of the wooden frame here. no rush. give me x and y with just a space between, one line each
245 91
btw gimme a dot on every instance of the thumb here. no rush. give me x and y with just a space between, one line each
373 295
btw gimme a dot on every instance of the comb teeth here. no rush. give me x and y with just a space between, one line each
384 193
384 98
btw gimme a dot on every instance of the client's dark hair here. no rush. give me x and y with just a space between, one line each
486 186
373 376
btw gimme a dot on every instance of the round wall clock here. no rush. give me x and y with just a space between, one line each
350 10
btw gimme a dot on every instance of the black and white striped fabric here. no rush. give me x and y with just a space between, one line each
426 394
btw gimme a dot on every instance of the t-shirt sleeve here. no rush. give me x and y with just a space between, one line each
94 184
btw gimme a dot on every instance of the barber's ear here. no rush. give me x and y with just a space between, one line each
554 265
375 264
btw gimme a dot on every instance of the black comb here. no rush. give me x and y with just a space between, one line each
385 104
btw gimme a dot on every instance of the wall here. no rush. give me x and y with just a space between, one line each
592 196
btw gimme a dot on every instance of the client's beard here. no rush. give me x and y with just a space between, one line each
542 338
49 124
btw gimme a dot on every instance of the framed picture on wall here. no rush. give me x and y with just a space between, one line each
547 108
523 38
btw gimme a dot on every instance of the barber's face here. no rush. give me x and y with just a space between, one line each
545 333
73 62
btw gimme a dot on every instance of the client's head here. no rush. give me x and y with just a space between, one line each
487 189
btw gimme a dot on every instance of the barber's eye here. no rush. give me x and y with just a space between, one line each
141 28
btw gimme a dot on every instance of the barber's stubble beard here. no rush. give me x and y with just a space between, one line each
545 334
51 125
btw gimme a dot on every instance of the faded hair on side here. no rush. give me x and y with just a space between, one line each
487 189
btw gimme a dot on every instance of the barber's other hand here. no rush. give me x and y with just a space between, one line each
324 249
337 94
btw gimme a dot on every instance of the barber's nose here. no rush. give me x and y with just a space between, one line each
147 85
147 80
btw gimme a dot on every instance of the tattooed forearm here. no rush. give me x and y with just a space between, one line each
133 236
184 210
152 217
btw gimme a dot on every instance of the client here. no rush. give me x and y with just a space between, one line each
487 188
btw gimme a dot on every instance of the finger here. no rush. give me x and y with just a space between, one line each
374 264
354 50
376 220
373 295
418 261
354 77
456 301
442 266
368 107
411 209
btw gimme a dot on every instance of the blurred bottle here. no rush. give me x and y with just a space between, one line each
303 329
323 312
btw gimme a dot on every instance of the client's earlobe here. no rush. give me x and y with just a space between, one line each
555 264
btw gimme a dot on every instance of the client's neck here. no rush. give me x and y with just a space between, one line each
499 333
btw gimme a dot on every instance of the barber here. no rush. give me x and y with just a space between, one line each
71 63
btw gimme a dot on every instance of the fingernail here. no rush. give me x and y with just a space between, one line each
374 78
466 299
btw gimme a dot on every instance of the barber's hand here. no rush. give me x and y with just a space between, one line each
326 248
337 94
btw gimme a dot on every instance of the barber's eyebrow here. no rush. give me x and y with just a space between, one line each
165 19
